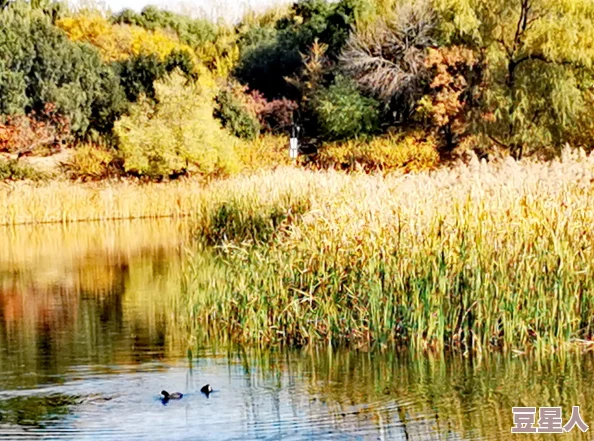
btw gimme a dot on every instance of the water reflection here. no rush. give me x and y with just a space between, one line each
88 339
103 299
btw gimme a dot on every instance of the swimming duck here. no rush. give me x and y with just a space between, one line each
206 390
174 396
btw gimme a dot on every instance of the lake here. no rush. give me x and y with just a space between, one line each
89 337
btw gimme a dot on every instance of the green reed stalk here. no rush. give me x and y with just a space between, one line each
476 257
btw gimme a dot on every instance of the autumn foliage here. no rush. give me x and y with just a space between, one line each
24 134
501 76
454 90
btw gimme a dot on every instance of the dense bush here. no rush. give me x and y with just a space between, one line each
16 171
403 152
41 65
275 116
342 112
265 152
176 135
235 116
25 134
90 162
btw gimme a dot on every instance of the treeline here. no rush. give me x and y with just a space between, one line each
386 83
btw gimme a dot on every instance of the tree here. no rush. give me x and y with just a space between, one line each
387 58
40 66
139 73
194 32
271 54
175 135
538 57
453 92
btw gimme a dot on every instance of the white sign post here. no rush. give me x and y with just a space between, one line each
293 148
294 143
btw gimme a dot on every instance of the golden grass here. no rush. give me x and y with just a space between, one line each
62 201
410 152
478 256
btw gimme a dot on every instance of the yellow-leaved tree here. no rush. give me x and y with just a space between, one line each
178 134
539 59
118 42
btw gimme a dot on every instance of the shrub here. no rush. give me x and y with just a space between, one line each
176 135
24 134
342 112
265 152
235 116
404 152
16 171
275 116
253 110
89 162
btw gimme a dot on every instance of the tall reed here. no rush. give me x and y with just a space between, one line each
63 202
474 257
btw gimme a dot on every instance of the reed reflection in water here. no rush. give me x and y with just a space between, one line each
89 337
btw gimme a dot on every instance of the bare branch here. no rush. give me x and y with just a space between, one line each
388 59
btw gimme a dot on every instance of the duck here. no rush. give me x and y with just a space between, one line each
206 390
174 396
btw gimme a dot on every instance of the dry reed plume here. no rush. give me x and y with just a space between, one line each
62 201
478 256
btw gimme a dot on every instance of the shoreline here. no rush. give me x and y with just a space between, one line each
61 202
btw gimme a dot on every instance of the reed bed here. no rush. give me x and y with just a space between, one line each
63 202
34 247
475 257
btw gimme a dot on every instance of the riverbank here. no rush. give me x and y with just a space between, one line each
477 257
65 201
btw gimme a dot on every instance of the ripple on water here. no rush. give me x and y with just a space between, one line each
123 403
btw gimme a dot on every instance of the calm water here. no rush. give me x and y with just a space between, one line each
88 340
